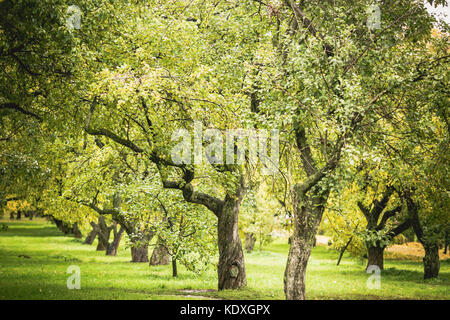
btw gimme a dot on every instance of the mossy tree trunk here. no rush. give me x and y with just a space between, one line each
160 255
308 211
139 253
231 267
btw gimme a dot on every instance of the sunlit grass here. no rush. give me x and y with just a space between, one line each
43 275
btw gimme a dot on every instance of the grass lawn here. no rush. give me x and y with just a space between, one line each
42 273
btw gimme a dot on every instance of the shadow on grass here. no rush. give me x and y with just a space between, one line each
44 231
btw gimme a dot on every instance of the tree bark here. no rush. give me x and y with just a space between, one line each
103 234
308 211
19 215
58 224
139 247
174 267
249 242
375 256
62 226
76 231
295 273
160 255
431 262
11 215
446 241
231 267
101 245
139 254
114 245
92 235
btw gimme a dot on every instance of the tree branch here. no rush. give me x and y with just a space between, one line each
16 107
387 215
379 206
400 228
212 203
302 19
364 210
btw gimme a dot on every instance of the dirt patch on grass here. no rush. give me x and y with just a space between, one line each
193 293
411 251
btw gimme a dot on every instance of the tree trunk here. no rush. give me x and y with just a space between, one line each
446 241
431 261
160 255
76 231
261 238
249 241
103 234
375 256
11 215
341 254
231 267
60 225
92 235
308 212
19 215
114 245
101 245
139 247
295 273
174 267
139 254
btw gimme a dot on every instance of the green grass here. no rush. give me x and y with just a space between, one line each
43 275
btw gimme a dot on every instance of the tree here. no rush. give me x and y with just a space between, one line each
417 144
328 78
155 98
383 214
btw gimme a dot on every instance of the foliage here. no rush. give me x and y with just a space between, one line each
260 215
